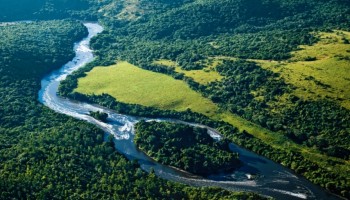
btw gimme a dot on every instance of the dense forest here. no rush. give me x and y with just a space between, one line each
20 50
46 155
246 29
185 147
141 34
45 9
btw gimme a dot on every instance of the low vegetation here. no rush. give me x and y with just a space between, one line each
320 71
201 76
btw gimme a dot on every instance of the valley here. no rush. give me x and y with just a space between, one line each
271 76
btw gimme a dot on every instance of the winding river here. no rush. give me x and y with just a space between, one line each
272 179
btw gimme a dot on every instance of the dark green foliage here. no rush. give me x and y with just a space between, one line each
208 17
99 116
321 124
234 92
265 45
45 9
43 48
295 161
20 80
260 29
186 147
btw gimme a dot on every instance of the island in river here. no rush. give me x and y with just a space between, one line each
186 147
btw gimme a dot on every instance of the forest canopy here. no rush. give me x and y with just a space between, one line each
185 147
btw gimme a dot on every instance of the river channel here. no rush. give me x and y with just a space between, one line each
257 174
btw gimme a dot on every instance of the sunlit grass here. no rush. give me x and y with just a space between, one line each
130 84
203 76
326 74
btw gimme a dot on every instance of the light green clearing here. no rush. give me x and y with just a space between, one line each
130 84
331 67
203 76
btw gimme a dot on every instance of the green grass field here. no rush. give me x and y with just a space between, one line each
130 84
203 76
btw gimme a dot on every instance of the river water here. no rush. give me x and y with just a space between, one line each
271 179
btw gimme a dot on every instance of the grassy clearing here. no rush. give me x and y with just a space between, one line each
319 71
131 11
130 84
203 76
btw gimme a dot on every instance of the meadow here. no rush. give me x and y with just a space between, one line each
318 71
130 84
201 76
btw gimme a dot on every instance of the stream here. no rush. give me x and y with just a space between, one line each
257 174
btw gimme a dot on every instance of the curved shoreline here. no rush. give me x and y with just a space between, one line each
275 180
